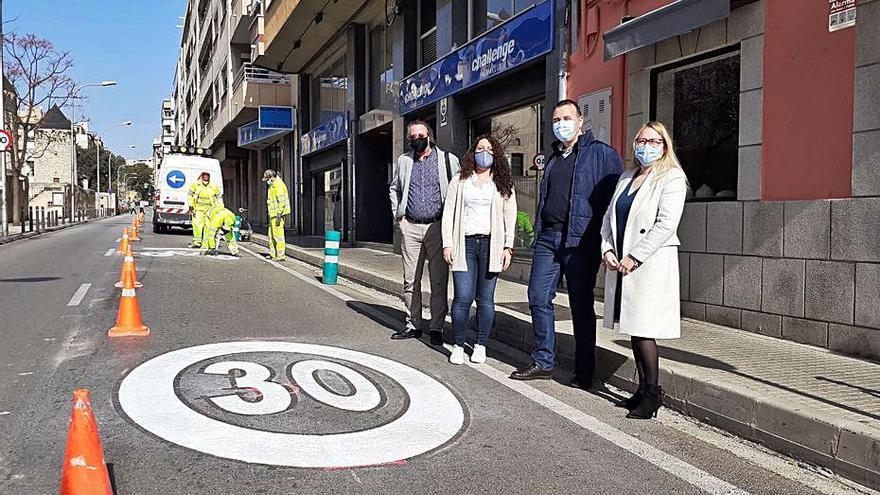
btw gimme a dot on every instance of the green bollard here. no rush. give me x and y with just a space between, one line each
331 256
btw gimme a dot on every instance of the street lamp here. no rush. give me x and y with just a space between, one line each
73 96
127 123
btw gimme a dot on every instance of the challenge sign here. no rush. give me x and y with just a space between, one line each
515 42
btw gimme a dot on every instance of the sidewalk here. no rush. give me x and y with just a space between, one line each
15 231
804 401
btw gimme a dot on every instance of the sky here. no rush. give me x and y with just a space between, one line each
134 42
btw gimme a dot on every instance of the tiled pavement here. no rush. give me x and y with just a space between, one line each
805 401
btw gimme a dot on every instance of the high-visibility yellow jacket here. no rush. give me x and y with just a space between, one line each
219 216
277 200
202 197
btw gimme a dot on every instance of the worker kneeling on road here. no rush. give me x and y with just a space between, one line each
218 222
202 196
278 204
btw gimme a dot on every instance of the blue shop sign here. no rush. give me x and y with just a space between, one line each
325 135
251 133
513 43
275 118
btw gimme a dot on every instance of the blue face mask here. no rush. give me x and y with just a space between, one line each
483 159
648 154
565 130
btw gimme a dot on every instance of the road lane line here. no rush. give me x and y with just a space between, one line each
79 295
667 462
110 252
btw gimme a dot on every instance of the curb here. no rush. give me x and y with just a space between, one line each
850 449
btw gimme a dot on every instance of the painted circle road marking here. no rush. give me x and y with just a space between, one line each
190 254
432 415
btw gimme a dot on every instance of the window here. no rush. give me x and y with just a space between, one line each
490 13
516 164
329 90
381 73
427 32
698 101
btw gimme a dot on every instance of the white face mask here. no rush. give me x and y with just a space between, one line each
565 130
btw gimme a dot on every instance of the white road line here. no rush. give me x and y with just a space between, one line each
110 252
79 295
168 249
669 463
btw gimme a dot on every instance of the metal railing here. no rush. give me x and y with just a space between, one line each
249 73
34 218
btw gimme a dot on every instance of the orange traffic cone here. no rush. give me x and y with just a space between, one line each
128 319
134 235
123 244
128 267
84 470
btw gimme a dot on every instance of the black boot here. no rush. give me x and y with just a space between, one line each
652 401
633 401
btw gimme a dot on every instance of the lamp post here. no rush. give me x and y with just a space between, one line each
127 123
73 174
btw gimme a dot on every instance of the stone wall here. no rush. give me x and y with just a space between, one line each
55 162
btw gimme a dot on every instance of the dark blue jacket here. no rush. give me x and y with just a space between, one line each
596 171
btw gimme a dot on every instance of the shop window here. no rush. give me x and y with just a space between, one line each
381 68
698 101
427 32
519 131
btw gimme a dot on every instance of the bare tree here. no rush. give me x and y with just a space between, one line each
37 76
504 133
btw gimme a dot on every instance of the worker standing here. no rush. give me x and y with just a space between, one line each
202 196
278 204
219 221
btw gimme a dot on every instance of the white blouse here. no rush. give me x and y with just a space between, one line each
477 202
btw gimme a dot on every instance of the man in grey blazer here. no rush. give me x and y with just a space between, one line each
417 190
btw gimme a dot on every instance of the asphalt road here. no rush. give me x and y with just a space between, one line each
256 380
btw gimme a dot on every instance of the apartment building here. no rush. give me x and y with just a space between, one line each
367 67
217 97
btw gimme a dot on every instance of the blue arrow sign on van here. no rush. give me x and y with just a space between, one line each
175 179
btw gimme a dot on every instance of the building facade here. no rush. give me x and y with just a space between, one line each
366 68
774 113
218 90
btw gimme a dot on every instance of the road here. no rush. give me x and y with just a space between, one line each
257 380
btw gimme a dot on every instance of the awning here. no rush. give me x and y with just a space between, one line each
676 18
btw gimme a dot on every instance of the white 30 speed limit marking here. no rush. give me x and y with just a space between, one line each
433 416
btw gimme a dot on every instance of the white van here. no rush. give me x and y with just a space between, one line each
176 174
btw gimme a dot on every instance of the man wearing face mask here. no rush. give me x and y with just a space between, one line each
579 181
417 191
202 196
278 205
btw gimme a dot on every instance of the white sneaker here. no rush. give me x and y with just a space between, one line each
457 356
479 354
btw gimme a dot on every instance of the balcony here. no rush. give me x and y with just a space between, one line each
286 22
252 87
241 21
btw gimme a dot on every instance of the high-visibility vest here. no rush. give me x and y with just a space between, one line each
277 201
202 197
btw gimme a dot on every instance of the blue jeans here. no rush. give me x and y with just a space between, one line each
550 260
476 283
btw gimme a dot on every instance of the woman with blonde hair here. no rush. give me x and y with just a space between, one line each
640 251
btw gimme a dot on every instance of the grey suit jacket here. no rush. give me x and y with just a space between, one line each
399 187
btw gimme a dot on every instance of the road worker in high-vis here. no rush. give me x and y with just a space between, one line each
218 222
202 196
278 203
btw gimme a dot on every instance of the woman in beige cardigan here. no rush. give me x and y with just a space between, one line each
640 249
479 227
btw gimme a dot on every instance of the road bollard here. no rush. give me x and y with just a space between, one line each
42 218
22 218
331 256
236 228
31 219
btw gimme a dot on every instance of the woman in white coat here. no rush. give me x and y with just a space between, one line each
640 251
479 227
